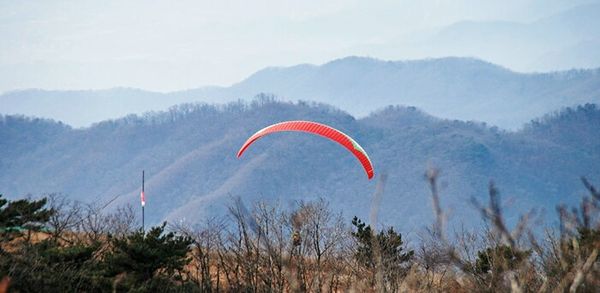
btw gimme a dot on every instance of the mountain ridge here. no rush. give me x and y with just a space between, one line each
452 87
192 172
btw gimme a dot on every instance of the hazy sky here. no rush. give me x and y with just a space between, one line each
172 45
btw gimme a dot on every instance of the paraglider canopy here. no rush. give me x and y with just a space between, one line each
318 129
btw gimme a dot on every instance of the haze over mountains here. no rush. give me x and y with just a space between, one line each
453 88
189 152
561 41
183 45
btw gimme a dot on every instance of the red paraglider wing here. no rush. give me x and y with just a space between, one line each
319 129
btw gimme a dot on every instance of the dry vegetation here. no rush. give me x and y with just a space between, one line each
267 248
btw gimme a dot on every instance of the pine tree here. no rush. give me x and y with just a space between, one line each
22 216
385 248
148 261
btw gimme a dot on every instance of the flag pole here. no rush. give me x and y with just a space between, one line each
143 201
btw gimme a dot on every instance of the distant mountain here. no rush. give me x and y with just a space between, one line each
579 55
192 172
453 88
84 107
566 40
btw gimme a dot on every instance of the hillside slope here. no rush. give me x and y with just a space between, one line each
192 172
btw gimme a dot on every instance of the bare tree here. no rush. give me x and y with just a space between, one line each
325 233
122 221
93 226
66 218
205 269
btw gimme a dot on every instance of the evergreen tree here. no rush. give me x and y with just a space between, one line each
385 248
499 259
148 261
20 216
43 266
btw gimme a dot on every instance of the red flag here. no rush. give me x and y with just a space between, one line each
143 198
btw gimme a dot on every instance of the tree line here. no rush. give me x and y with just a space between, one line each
54 244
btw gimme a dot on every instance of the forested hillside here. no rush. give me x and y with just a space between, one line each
188 154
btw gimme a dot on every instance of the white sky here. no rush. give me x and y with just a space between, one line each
173 45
